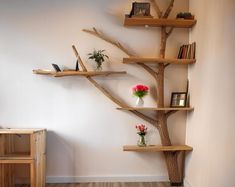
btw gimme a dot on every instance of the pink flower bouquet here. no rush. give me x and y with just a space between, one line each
142 130
140 90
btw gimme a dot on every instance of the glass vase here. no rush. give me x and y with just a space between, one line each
139 102
141 142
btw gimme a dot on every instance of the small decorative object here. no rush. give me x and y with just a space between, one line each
140 10
178 99
56 67
99 57
142 130
140 91
184 15
77 66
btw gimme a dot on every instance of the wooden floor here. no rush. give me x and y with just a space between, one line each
116 184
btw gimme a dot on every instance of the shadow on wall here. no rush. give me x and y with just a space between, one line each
60 153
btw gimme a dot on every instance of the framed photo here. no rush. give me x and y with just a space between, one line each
140 10
179 99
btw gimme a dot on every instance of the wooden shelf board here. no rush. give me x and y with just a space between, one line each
157 109
148 60
154 22
20 131
12 160
76 73
157 148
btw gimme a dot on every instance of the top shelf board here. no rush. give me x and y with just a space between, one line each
154 22
20 131
147 60
76 73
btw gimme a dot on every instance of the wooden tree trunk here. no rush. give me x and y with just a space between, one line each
171 158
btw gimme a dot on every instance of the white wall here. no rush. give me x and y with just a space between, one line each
210 129
86 132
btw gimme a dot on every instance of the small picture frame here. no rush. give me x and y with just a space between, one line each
56 67
179 99
140 10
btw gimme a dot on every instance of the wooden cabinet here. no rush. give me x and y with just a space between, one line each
22 157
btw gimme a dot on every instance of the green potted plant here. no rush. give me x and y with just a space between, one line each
99 57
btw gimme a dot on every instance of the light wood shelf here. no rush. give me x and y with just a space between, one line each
147 60
20 131
157 148
34 140
157 109
154 22
77 73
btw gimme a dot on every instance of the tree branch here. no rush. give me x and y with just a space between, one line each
107 94
79 58
108 39
119 45
156 8
168 10
148 69
118 102
168 33
170 113
166 65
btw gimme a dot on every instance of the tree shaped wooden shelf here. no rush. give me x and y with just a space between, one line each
174 155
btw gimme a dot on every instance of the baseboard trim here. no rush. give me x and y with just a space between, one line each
84 179
186 183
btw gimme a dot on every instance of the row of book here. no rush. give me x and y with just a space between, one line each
187 51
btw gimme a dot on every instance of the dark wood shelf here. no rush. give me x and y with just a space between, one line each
154 22
157 148
148 60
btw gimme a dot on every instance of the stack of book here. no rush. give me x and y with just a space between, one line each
187 51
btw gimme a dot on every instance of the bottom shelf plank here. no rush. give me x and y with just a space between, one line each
157 148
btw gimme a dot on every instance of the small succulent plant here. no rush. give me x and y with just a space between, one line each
99 57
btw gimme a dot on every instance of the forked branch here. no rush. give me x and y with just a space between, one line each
109 95
120 46
156 8
169 9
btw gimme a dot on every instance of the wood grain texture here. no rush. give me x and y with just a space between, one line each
108 184
9 157
147 60
157 109
157 148
78 73
154 22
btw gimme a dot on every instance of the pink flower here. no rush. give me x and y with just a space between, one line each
140 90
141 128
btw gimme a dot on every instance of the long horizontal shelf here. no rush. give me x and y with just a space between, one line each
20 131
13 160
157 109
77 73
154 22
157 148
146 60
